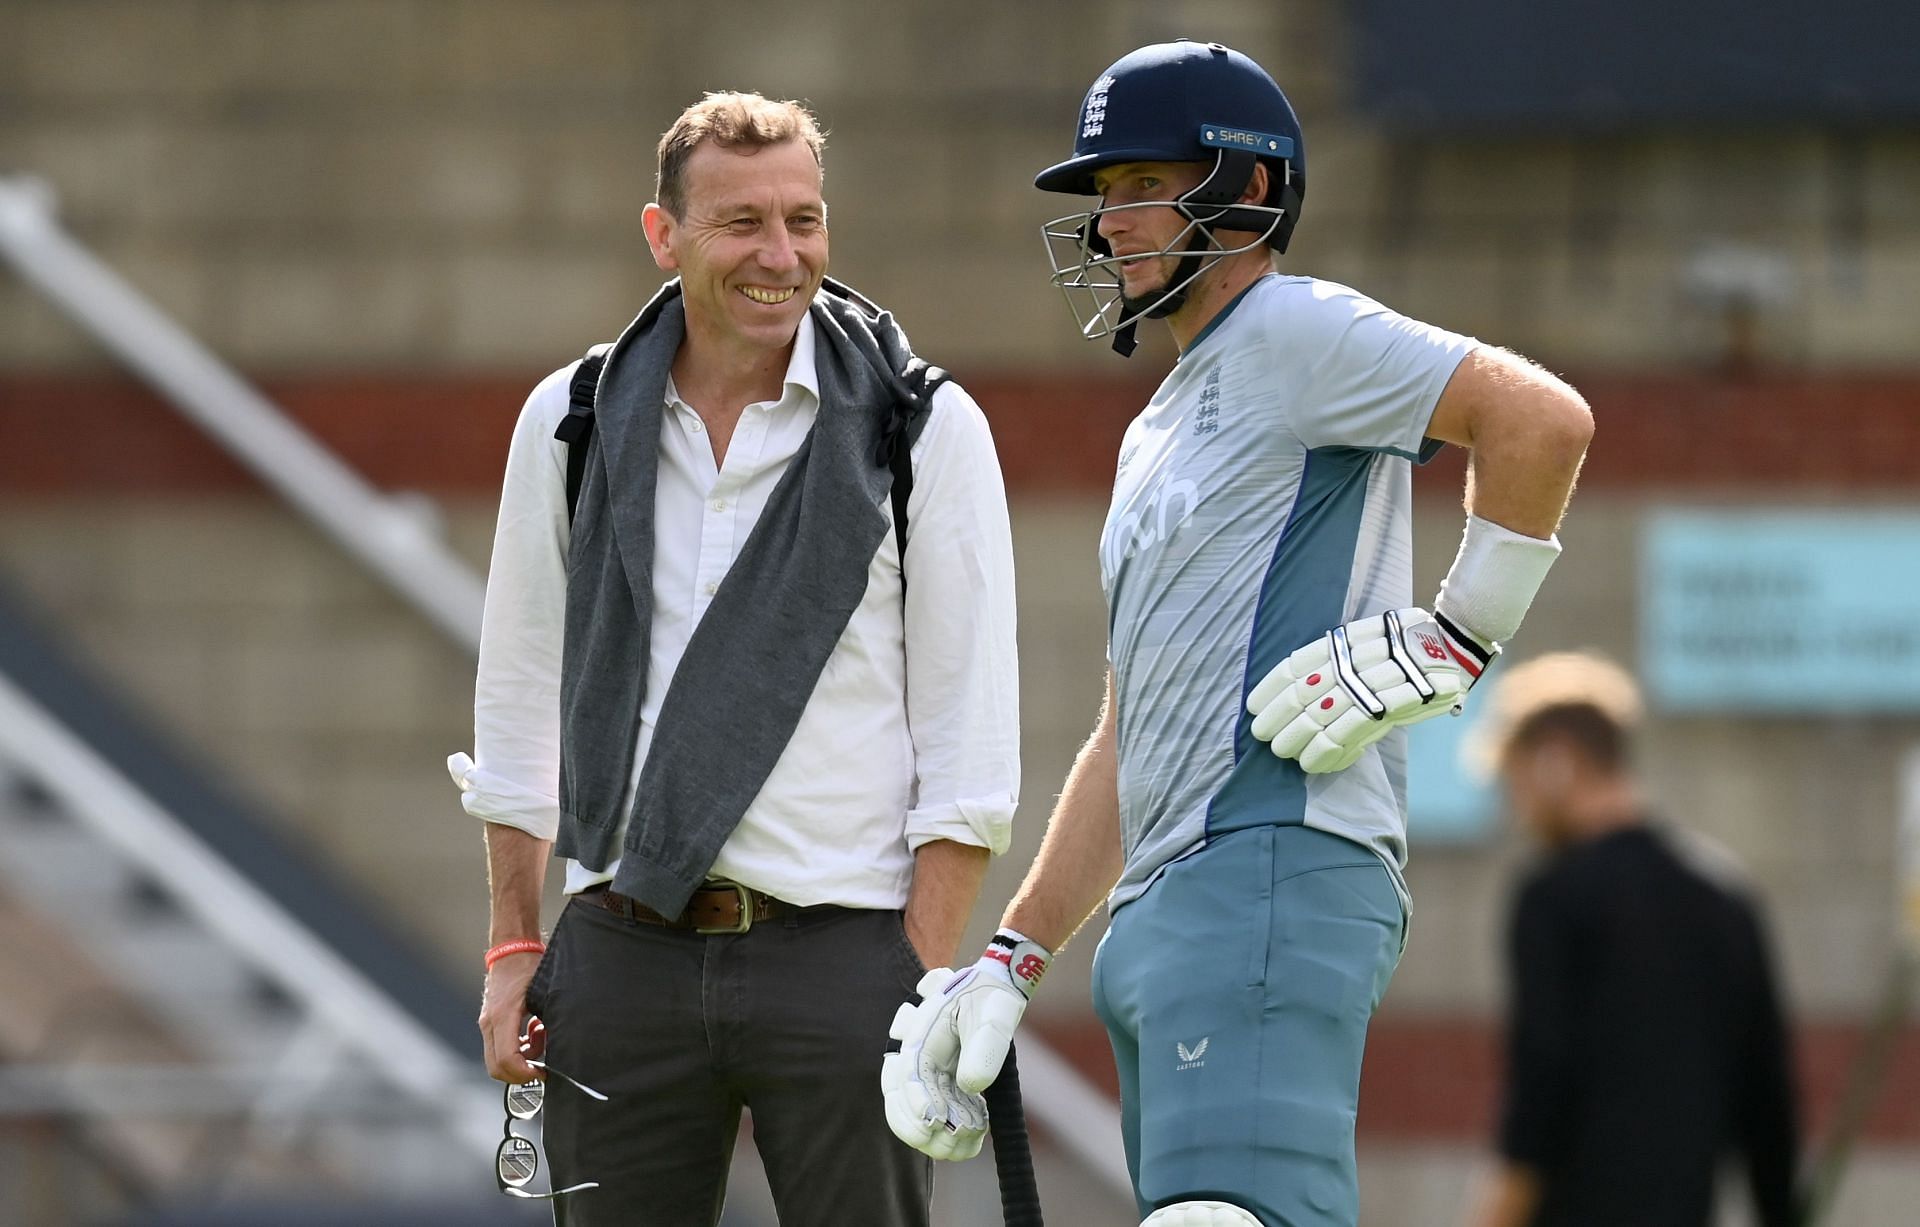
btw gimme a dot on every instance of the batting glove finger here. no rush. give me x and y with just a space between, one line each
1307 685
1331 699
1341 742
986 1032
928 1112
963 1123
916 1081
952 1045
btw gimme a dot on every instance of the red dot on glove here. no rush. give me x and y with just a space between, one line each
1313 679
1326 703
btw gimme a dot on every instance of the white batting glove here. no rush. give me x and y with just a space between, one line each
1330 700
953 1043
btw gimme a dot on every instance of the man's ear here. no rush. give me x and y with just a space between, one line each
659 226
1256 192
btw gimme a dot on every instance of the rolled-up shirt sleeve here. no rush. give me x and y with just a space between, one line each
513 774
963 703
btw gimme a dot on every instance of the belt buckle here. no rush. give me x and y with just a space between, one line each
746 910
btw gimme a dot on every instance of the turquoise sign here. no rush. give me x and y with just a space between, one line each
1781 612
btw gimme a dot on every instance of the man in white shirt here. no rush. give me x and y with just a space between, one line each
776 753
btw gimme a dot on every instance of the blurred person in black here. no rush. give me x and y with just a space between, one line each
1645 1039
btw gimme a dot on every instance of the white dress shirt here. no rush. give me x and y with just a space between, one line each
912 732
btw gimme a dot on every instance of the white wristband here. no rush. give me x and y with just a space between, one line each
1494 579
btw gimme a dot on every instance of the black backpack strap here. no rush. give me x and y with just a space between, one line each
911 392
902 464
576 429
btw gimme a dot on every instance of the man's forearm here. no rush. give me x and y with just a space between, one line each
516 866
946 883
1080 857
516 872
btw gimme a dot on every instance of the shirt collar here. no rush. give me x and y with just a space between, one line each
1214 323
802 374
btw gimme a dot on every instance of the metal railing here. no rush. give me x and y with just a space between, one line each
393 537
341 1004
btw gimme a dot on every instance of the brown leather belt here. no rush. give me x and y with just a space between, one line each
717 907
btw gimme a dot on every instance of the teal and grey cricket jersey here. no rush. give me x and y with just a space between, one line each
1262 498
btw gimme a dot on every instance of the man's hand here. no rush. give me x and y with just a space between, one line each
503 1008
1330 700
953 1043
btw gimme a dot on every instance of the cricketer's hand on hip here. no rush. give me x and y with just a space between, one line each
1330 700
952 1045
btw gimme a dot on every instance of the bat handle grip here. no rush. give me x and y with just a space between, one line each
1012 1154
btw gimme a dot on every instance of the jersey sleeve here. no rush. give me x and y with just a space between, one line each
1374 375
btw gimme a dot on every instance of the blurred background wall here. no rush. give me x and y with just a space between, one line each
396 215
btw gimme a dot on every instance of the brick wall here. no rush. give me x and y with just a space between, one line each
455 184
1056 433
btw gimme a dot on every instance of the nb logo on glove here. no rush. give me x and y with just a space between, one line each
1031 969
1328 702
952 1044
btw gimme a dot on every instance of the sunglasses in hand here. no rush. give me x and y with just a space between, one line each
517 1161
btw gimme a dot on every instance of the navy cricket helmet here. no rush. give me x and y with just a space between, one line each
1187 102
1174 102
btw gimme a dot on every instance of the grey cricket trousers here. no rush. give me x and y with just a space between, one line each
681 1031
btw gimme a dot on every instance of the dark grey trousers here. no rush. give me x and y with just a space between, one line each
681 1031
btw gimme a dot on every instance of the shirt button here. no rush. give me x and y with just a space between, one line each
712 588
719 504
695 426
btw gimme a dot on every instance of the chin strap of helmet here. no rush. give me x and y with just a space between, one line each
1124 340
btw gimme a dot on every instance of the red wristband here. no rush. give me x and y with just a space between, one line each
519 945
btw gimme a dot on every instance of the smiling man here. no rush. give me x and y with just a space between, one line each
748 664
1241 802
